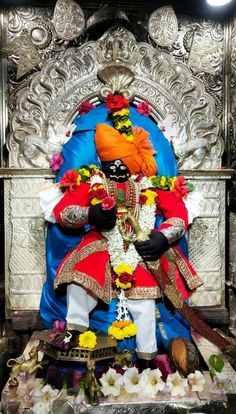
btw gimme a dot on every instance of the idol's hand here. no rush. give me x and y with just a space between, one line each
102 220
153 248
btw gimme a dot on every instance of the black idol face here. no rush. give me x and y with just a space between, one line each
116 170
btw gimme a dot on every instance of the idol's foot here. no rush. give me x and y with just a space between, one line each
66 340
145 363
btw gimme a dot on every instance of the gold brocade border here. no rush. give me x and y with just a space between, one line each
141 293
104 293
68 274
193 281
148 356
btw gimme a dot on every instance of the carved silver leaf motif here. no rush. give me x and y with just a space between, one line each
68 19
163 26
54 93
25 50
202 53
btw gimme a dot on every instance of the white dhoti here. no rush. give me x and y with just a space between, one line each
80 303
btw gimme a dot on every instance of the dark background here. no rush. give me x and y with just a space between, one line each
190 7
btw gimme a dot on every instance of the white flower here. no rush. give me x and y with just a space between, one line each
177 384
197 381
111 383
151 382
131 380
42 398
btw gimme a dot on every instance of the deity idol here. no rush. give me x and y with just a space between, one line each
121 201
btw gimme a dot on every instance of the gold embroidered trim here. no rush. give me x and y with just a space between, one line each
146 355
193 281
76 256
174 296
141 293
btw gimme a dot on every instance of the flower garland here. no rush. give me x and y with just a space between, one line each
118 105
124 260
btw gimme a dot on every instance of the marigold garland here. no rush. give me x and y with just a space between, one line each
118 105
123 331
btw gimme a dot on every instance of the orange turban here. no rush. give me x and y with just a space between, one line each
137 155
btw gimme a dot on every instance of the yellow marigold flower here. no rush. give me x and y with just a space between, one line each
130 330
151 195
84 171
78 179
123 268
94 168
87 339
122 285
122 112
117 333
172 183
163 181
100 186
127 124
95 201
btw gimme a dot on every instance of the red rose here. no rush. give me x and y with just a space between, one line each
100 193
125 278
116 102
69 180
142 199
108 203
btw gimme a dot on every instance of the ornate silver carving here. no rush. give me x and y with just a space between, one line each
25 244
40 34
24 49
54 94
68 19
203 52
163 26
207 244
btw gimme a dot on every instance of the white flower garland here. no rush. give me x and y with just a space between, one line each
114 239
115 244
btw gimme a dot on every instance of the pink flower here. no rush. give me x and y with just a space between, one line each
85 107
58 329
56 162
144 109
108 203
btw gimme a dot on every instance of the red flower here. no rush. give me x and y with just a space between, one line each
180 189
126 278
69 180
144 109
142 199
100 193
139 177
116 102
85 107
108 203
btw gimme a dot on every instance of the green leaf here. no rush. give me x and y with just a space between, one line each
120 194
216 362
127 204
